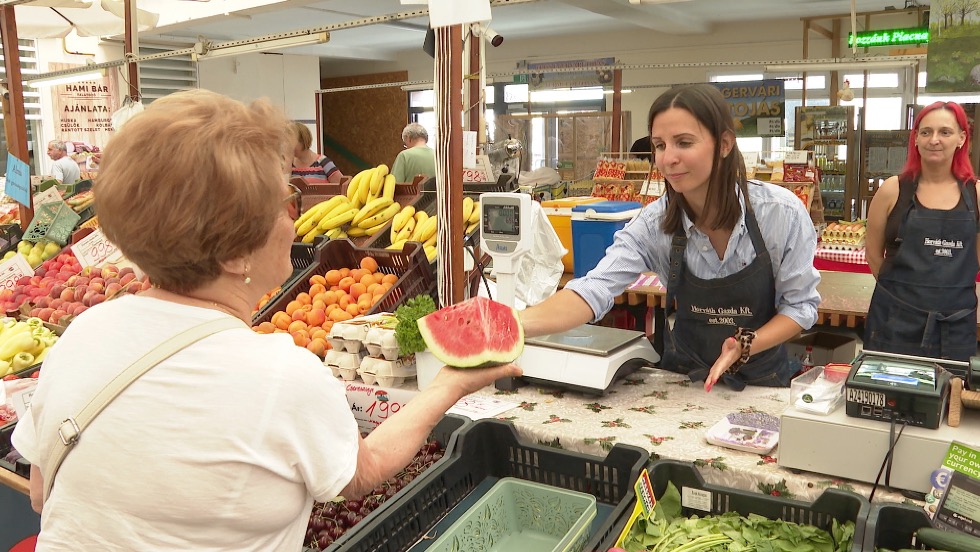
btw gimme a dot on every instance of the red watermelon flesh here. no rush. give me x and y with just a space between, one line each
477 332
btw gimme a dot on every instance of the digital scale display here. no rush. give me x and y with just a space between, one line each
502 220
897 373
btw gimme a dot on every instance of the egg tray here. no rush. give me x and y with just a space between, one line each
830 246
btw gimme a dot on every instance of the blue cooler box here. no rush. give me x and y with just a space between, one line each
593 227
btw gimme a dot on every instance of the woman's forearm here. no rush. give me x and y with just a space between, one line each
560 312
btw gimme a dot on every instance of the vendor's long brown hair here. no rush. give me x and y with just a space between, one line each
708 106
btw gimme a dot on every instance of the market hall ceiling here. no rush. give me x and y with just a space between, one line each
539 19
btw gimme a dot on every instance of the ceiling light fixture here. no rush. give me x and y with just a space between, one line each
206 50
66 79
802 67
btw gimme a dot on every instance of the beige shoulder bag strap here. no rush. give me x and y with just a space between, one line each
71 429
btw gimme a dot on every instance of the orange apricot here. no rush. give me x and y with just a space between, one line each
281 320
318 279
346 283
317 289
318 332
317 346
357 289
266 327
344 301
373 287
304 298
344 272
300 339
367 280
316 317
357 274
299 314
327 326
389 279
353 310
331 297
319 303
339 315
378 277
369 264
332 277
296 326
292 306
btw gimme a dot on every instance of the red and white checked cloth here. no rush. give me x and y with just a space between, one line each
651 280
839 256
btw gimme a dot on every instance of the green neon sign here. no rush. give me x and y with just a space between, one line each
890 37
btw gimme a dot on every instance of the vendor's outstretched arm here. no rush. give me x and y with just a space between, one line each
778 330
562 311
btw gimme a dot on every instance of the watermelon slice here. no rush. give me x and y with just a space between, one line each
475 333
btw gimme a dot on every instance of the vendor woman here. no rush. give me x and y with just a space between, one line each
737 256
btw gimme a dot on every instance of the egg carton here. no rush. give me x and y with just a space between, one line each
343 364
385 372
381 342
350 335
842 246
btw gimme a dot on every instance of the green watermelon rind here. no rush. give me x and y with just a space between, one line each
433 324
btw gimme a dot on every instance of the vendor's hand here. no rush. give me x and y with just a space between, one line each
730 351
464 381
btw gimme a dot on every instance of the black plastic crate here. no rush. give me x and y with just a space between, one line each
303 256
410 265
490 449
893 526
21 467
447 433
831 504
10 235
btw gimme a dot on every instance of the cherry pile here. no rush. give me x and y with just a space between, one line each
329 521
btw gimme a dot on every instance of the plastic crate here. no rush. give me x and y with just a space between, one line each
52 222
488 450
412 268
893 526
21 467
447 432
303 256
10 235
85 215
831 504
522 515
68 190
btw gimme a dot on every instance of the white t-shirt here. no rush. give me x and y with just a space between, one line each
223 446
66 171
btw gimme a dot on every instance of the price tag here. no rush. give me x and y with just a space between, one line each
372 405
796 157
21 399
477 407
770 126
14 269
93 249
644 492
50 195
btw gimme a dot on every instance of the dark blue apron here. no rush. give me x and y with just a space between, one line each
925 301
709 311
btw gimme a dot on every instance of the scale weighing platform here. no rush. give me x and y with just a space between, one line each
588 358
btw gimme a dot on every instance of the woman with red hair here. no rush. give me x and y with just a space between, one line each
922 244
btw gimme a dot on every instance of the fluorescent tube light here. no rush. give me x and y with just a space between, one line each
803 66
206 51
65 79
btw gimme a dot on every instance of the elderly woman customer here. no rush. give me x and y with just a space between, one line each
307 163
226 444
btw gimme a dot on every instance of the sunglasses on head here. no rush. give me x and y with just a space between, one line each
294 202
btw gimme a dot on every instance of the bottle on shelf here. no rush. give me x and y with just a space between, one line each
807 360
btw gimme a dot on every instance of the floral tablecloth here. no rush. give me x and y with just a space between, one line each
668 415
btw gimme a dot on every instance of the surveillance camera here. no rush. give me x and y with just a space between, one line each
493 36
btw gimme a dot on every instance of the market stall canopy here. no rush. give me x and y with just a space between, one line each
57 18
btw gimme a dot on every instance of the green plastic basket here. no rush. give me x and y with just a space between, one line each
52 222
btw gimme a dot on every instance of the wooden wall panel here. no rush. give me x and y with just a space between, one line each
368 123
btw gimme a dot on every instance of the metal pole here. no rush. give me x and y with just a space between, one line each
130 49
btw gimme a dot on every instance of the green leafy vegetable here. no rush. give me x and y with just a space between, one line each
669 530
407 330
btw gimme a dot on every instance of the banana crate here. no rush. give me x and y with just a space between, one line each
415 276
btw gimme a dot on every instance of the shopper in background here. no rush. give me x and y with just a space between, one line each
64 169
225 444
312 166
417 157
922 244
741 267
642 148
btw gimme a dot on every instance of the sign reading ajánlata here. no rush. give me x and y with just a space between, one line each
83 110
759 107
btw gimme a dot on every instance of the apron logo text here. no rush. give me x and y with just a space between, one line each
731 311
936 242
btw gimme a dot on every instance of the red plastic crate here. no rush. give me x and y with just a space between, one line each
410 265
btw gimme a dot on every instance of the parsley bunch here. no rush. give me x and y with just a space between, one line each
407 331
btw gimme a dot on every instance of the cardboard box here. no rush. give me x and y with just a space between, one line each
827 347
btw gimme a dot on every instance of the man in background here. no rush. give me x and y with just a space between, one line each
417 158
65 169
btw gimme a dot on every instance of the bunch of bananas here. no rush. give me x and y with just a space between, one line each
364 210
371 184
409 225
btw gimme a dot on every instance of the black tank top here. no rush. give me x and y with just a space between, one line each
906 193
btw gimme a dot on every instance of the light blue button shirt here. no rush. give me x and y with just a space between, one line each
642 246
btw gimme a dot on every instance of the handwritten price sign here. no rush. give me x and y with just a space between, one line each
14 269
372 405
94 249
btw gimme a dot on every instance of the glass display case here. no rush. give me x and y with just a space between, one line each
829 132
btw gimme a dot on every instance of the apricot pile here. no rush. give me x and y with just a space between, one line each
336 296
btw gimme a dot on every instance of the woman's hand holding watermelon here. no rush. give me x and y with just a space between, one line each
463 381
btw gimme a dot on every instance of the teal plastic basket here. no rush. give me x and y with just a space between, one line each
522 516
52 222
